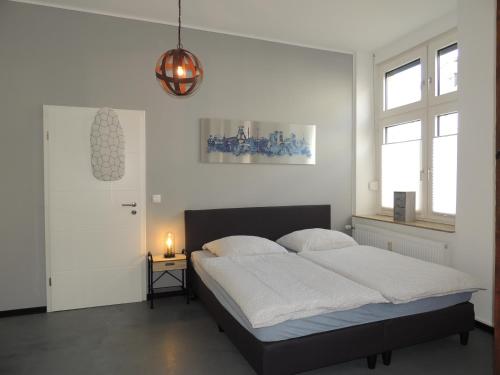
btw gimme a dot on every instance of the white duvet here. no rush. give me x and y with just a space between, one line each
398 278
270 289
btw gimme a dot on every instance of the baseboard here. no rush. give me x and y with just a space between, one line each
27 311
485 327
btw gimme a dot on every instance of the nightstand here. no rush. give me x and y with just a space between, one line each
158 263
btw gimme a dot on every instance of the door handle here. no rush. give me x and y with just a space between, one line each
133 204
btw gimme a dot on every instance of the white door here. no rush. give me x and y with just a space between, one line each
95 246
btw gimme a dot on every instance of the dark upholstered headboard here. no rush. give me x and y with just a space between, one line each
269 222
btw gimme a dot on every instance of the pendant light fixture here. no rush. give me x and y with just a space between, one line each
179 71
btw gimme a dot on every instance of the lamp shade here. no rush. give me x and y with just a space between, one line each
179 72
169 246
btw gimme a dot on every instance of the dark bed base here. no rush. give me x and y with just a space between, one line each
419 328
328 348
298 354
317 350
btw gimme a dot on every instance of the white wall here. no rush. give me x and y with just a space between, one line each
472 245
93 61
364 164
476 148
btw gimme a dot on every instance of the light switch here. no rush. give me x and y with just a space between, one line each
156 198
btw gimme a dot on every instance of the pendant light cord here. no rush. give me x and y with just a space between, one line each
179 44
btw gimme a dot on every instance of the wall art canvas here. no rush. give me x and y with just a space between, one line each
243 141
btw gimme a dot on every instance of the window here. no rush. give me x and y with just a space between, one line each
418 127
401 160
444 164
402 85
447 69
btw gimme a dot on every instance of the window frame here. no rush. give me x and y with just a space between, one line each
421 115
433 112
442 41
385 67
430 106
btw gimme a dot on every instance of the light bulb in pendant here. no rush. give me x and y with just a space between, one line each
180 71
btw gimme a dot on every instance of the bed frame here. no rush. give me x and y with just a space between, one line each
317 350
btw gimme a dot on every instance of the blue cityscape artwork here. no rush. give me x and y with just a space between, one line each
245 141
276 144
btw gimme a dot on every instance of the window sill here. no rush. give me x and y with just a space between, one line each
448 228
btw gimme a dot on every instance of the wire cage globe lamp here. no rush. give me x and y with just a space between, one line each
178 71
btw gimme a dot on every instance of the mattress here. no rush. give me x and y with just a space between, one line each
399 278
273 288
324 322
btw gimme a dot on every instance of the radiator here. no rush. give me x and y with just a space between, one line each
431 251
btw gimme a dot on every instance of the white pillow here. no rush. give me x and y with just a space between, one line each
315 240
243 245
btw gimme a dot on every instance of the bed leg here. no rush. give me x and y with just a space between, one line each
220 328
371 360
464 338
386 357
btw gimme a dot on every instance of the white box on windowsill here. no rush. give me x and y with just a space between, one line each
404 206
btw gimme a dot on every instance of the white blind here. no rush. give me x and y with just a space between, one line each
444 164
401 161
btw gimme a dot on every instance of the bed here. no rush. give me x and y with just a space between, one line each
278 352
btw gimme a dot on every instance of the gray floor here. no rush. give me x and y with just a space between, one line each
176 338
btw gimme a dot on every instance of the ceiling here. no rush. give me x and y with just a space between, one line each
341 25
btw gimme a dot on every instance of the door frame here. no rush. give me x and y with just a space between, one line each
142 198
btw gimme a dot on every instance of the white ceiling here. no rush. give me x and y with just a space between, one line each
342 25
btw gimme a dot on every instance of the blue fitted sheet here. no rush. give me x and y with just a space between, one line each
324 322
